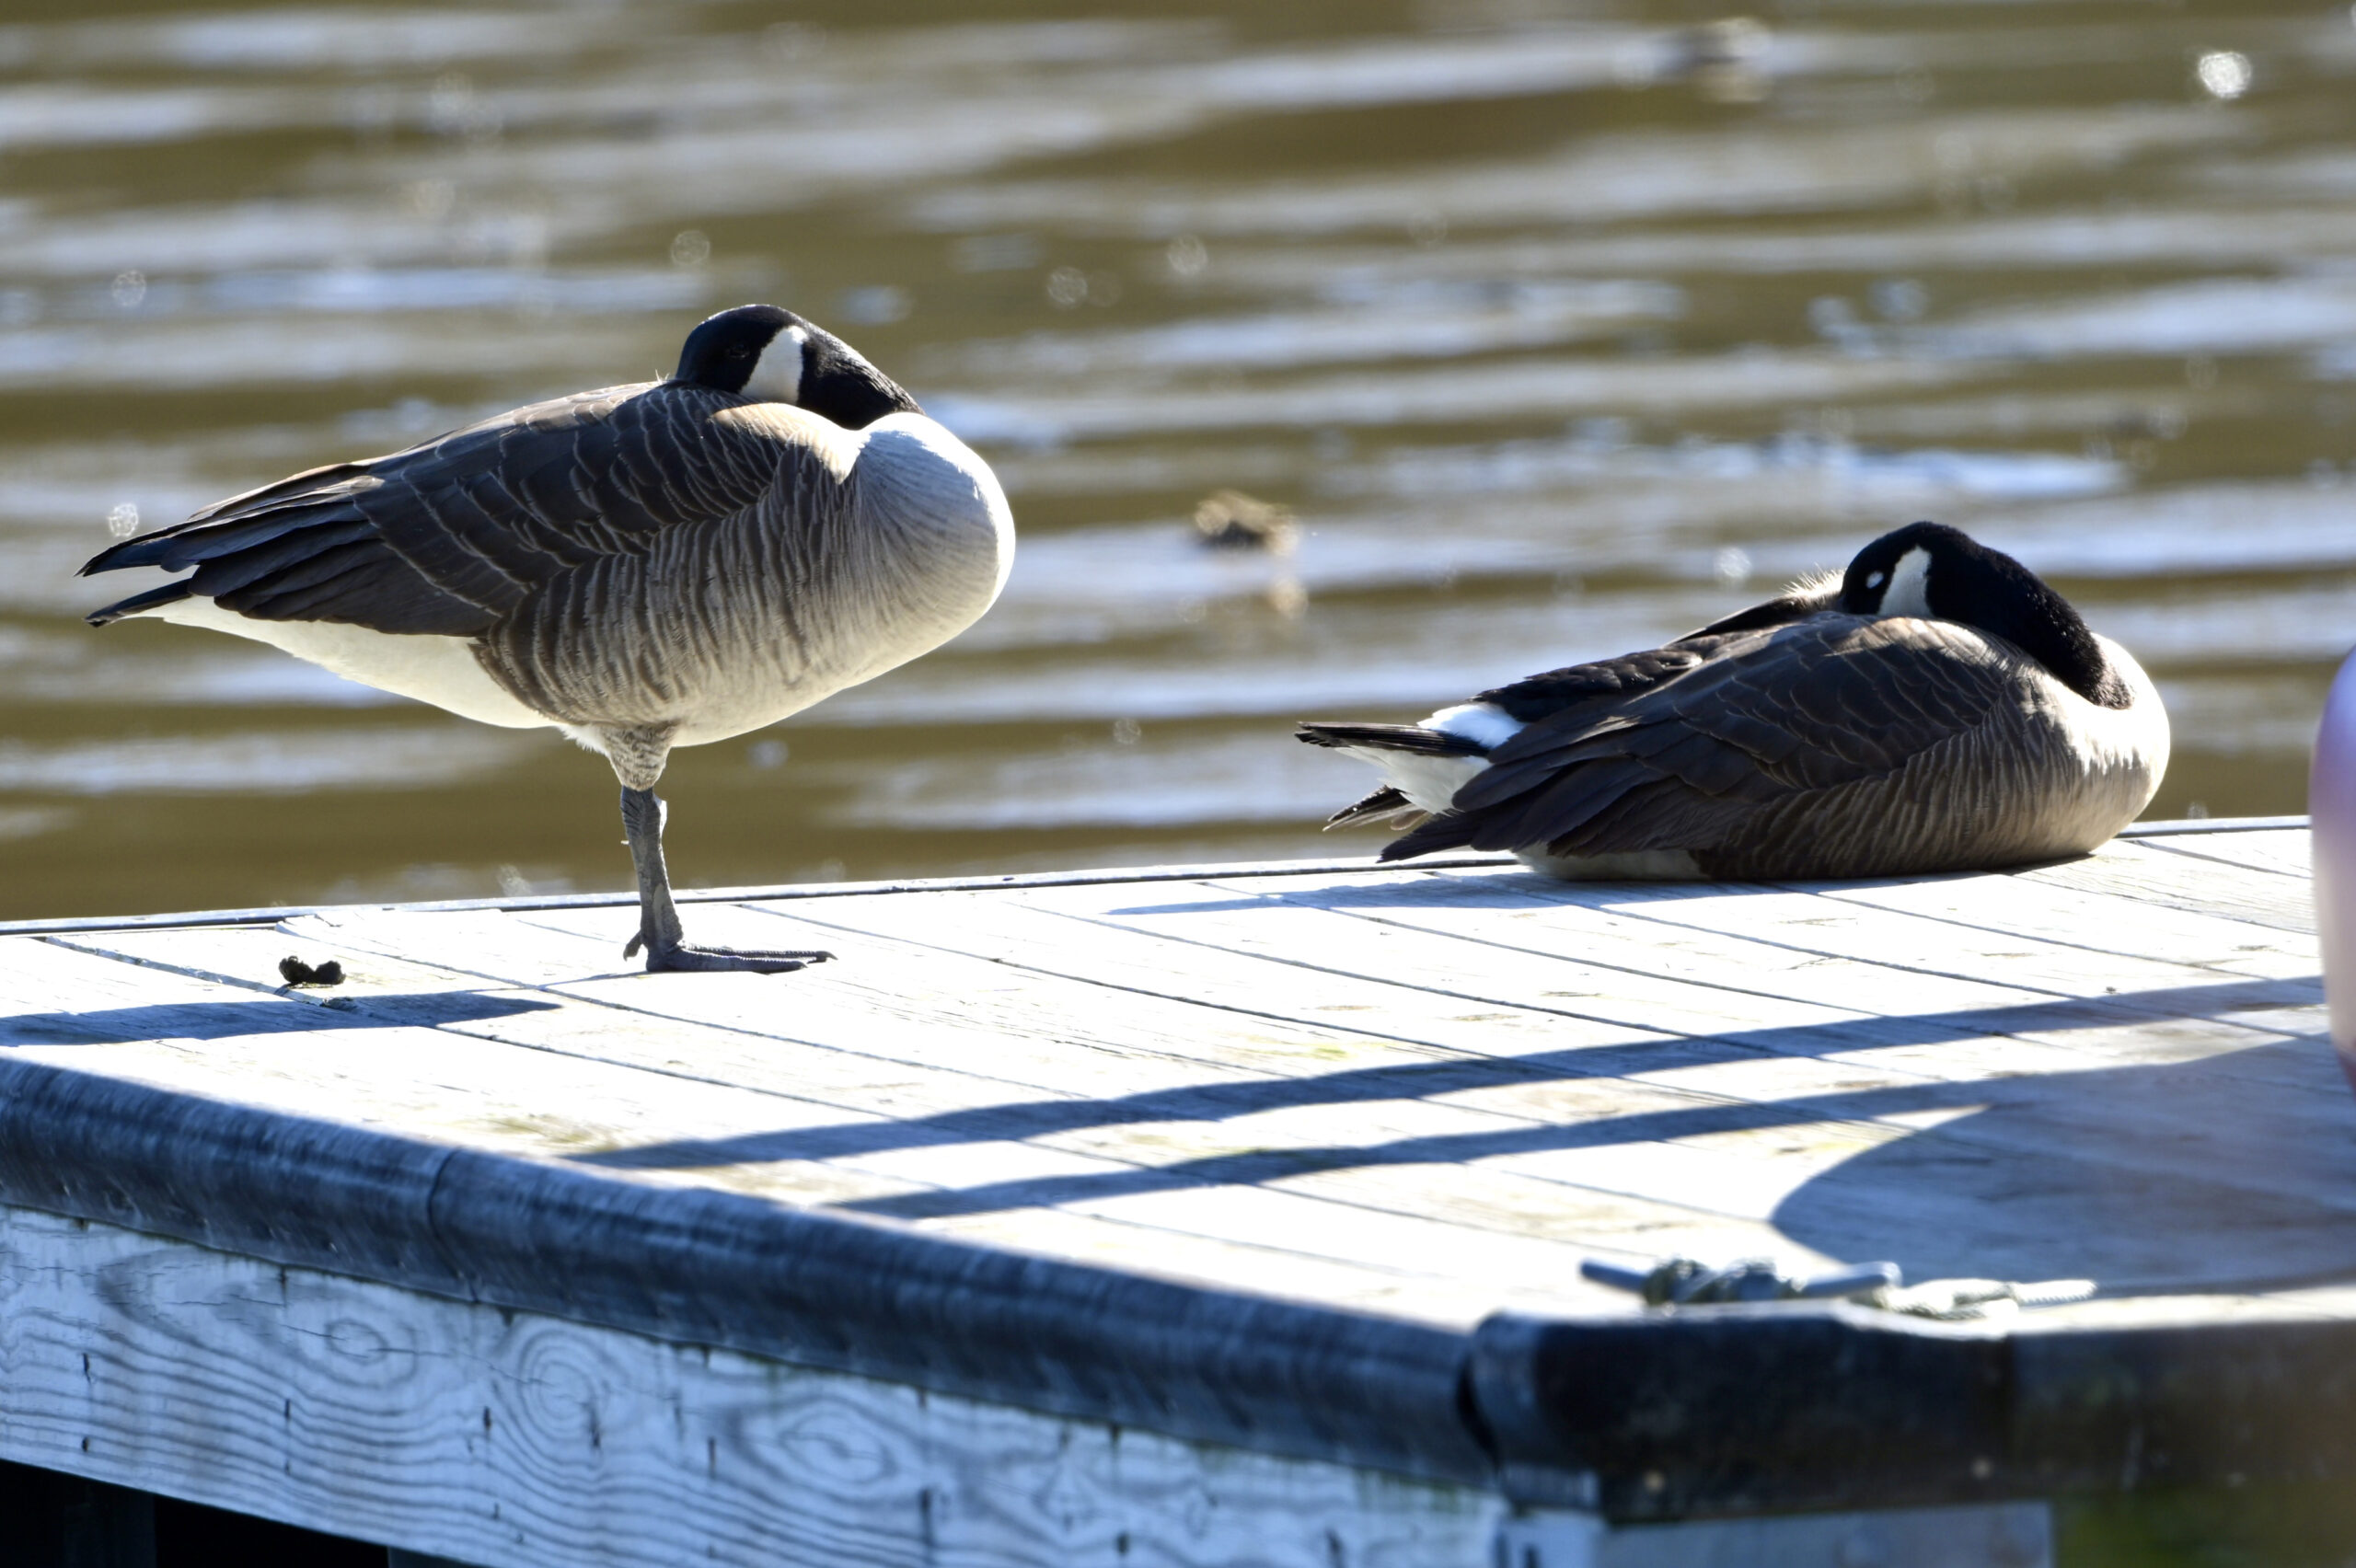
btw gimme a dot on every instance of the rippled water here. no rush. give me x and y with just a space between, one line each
1562 329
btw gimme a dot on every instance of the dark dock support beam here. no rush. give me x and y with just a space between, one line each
64 1521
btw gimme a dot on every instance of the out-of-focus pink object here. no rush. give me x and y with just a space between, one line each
2331 806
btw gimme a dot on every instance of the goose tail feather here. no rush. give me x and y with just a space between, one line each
1450 830
1387 804
169 593
1390 737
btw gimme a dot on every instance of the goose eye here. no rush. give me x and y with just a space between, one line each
1878 579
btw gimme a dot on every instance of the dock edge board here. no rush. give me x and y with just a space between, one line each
466 1434
1725 1410
460 1434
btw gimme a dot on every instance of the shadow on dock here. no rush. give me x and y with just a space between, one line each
263 1015
2148 1170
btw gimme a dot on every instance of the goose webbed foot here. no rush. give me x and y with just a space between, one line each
688 958
667 949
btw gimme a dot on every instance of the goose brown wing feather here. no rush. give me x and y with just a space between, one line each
1579 689
453 535
1766 719
305 487
1593 687
491 513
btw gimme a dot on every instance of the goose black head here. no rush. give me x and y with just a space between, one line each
769 353
1936 572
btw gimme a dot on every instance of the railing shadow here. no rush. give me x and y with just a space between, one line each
263 1015
2214 1166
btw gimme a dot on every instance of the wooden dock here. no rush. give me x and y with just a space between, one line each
1216 1215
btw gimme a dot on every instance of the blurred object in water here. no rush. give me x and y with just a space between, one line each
2224 74
1230 520
1725 60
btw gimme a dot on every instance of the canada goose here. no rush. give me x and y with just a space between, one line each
642 567
1935 707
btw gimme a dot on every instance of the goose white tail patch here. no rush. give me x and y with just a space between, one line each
1483 722
1430 782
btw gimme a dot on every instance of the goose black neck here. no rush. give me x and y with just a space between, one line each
838 382
1990 590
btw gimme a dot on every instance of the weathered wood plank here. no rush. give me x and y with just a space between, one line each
1250 1151
1307 939
1248 1146
2101 922
693 1133
1234 1153
521 1105
499 1438
1901 1004
906 1002
1842 988
1932 1043
626 903
2153 873
572 1113
514 1440
996 940
2039 1128
2197 1114
1433 1071
2282 849
1802 922
1608 931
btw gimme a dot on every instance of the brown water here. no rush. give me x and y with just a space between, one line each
1563 329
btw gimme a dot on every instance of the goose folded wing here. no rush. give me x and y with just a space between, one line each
1764 719
451 534
1568 693
1592 688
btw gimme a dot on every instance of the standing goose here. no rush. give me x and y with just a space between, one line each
642 567
1935 707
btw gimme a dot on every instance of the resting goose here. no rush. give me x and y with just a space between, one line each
642 567
1935 707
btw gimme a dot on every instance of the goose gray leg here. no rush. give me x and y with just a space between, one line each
658 919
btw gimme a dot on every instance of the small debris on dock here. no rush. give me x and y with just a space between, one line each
1230 520
294 972
1689 1281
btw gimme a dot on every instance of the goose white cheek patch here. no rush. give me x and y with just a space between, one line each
777 376
1909 586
